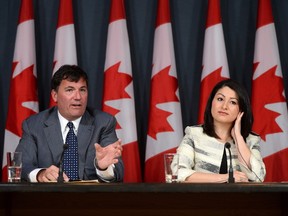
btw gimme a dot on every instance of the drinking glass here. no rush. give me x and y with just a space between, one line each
171 164
14 166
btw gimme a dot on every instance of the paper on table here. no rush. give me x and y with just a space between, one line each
84 181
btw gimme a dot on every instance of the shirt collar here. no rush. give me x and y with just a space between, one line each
63 122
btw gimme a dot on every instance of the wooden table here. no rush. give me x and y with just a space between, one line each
145 199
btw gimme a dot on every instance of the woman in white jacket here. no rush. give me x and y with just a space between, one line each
228 119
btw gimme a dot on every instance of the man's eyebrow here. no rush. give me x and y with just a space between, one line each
68 87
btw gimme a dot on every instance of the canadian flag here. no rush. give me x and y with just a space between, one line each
215 65
165 130
118 96
65 42
268 97
23 100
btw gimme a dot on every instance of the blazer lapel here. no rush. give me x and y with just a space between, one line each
54 136
84 135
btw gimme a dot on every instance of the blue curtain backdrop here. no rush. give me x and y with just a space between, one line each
188 24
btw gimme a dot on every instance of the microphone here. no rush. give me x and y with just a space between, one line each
60 174
230 178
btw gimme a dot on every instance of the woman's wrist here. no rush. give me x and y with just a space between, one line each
223 178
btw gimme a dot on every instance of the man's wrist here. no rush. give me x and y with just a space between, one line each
38 174
97 166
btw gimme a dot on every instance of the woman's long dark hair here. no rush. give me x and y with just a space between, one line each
244 106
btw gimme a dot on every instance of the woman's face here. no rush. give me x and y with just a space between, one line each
225 105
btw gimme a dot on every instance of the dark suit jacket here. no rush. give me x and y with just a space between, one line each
42 143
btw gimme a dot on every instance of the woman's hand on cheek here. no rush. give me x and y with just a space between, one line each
237 125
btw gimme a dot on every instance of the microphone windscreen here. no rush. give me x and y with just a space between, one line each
227 145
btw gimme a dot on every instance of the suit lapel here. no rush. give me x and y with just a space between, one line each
85 132
84 135
54 136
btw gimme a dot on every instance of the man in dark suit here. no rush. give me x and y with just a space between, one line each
44 134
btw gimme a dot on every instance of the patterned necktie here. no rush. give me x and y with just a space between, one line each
70 161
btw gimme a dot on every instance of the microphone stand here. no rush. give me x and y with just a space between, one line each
230 175
60 174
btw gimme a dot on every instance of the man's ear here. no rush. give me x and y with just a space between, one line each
54 95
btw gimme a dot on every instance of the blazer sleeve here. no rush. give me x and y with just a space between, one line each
109 136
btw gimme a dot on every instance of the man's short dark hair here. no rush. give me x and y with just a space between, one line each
72 73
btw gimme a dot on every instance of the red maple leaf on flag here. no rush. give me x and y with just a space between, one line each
210 81
163 90
21 93
115 84
207 85
264 118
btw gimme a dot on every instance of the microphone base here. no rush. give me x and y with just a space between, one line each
231 181
60 178
231 178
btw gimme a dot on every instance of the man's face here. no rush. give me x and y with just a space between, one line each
71 98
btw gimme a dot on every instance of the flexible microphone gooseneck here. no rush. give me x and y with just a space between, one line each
230 177
60 174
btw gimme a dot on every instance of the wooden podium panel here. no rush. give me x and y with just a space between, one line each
143 199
